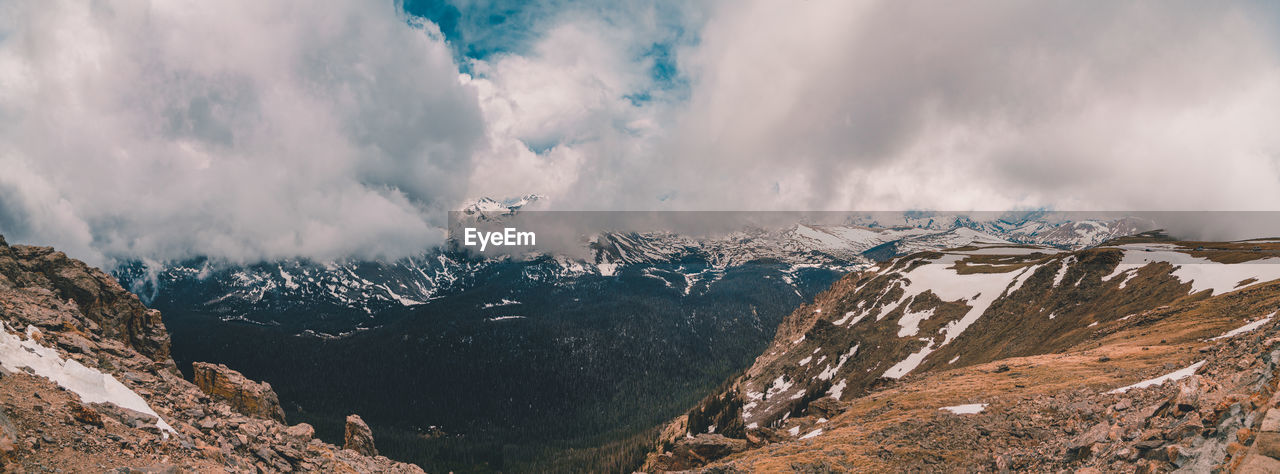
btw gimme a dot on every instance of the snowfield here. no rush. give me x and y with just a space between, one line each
91 385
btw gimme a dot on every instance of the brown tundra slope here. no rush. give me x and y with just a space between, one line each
1013 359
87 385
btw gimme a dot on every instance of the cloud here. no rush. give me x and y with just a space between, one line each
252 130
237 129
835 105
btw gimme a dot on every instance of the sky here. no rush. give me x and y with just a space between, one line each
330 129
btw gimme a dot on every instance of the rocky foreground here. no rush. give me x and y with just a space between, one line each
87 385
1146 355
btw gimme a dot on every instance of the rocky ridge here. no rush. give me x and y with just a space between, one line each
1027 366
87 384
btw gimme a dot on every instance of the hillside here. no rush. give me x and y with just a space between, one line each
1003 357
87 385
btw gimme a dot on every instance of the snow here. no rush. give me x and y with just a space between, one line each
848 315
910 322
1023 277
1246 328
953 360
607 269
504 318
1203 274
837 390
830 371
753 426
805 361
778 386
979 289
969 409
91 385
1177 375
811 433
795 430
503 302
1062 271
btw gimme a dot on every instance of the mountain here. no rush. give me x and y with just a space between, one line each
516 363
87 385
331 290
488 209
1012 357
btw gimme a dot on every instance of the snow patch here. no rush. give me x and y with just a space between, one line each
969 409
1246 328
607 269
910 322
1178 375
91 385
837 390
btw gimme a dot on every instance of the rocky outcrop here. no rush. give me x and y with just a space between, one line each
359 437
246 396
92 339
696 451
99 301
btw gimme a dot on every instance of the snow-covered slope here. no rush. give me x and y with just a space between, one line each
983 302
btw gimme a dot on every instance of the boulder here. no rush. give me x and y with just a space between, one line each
1271 422
1268 444
359 437
705 448
302 432
84 414
1258 464
251 398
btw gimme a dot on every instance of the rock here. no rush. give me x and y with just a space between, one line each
1081 444
117 313
1268 444
825 407
1188 396
8 437
1271 422
359 437
1123 404
84 414
1258 464
273 459
246 396
1188 426
301 432
705 448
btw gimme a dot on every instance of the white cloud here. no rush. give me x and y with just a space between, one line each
267 129
239 129
884 105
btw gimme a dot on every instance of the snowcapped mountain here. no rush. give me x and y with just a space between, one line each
488 209
372 286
